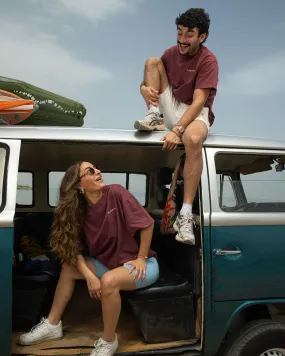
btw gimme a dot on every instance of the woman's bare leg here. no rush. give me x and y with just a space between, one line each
111 284
64 290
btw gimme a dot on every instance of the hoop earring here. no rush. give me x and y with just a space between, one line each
81 191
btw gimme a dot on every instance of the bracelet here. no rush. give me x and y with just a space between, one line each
145 257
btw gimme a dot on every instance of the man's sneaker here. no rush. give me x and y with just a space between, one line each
103 348
184 225
41 332
151 122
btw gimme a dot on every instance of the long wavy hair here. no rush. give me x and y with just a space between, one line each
67 226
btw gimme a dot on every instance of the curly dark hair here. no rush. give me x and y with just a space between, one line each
67 231
195 17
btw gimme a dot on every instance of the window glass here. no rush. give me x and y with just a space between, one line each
25 188
115 178
137 184
258 184
226 194
54 181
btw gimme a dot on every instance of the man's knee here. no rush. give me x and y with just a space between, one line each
153 61
193 140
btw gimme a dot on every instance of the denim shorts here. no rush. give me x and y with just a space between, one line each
152 272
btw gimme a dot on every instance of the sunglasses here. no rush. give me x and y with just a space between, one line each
89 171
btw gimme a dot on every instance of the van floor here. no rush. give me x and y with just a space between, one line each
82 325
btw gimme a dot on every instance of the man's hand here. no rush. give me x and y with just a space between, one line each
171 141
139 265
150 95
94 286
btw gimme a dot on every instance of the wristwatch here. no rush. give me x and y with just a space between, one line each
180 129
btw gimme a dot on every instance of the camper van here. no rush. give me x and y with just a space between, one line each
225 295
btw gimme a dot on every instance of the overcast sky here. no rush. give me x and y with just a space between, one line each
94 51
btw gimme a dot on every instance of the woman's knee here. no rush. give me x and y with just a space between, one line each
109 282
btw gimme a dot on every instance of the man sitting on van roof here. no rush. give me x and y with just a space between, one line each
181 85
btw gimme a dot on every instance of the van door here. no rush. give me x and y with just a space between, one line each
9 161
247 192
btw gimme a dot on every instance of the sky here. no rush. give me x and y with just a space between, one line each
94 51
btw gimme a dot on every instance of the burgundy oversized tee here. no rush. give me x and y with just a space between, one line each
110 226
187 73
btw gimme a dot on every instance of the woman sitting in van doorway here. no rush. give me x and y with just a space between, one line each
106 218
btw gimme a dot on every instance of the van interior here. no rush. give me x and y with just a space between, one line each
165 315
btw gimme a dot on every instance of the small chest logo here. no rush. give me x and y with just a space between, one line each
190 70
110 211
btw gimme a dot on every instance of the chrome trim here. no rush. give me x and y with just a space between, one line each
249 219
226 252
7 215
221 218
205 191
60 133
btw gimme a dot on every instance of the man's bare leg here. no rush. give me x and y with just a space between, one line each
193 139
155 82
155 75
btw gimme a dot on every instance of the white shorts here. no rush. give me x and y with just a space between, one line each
173 110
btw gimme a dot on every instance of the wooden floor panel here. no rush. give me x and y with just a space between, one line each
82 326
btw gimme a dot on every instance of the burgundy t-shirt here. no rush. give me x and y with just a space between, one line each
185 74
110 226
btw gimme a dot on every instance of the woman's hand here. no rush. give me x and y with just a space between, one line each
94 286
140 266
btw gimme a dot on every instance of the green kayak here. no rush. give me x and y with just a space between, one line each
53 109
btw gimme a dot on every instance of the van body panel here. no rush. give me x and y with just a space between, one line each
219 319
6 257
256 238
258 272
9 161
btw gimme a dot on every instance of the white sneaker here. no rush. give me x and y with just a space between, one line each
41 332
103 348
151 122
184 226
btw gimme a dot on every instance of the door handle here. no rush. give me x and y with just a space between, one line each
226 252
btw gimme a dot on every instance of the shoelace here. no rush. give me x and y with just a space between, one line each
187 221
38 326
153 120
100 350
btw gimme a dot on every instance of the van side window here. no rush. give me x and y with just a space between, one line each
226 193
25 189
137 186
136 183
257 182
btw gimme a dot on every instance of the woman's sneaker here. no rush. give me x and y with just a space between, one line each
103 348
41 332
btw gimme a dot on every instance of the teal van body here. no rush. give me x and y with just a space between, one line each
6 256
242 210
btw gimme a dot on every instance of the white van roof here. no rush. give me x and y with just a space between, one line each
81 134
